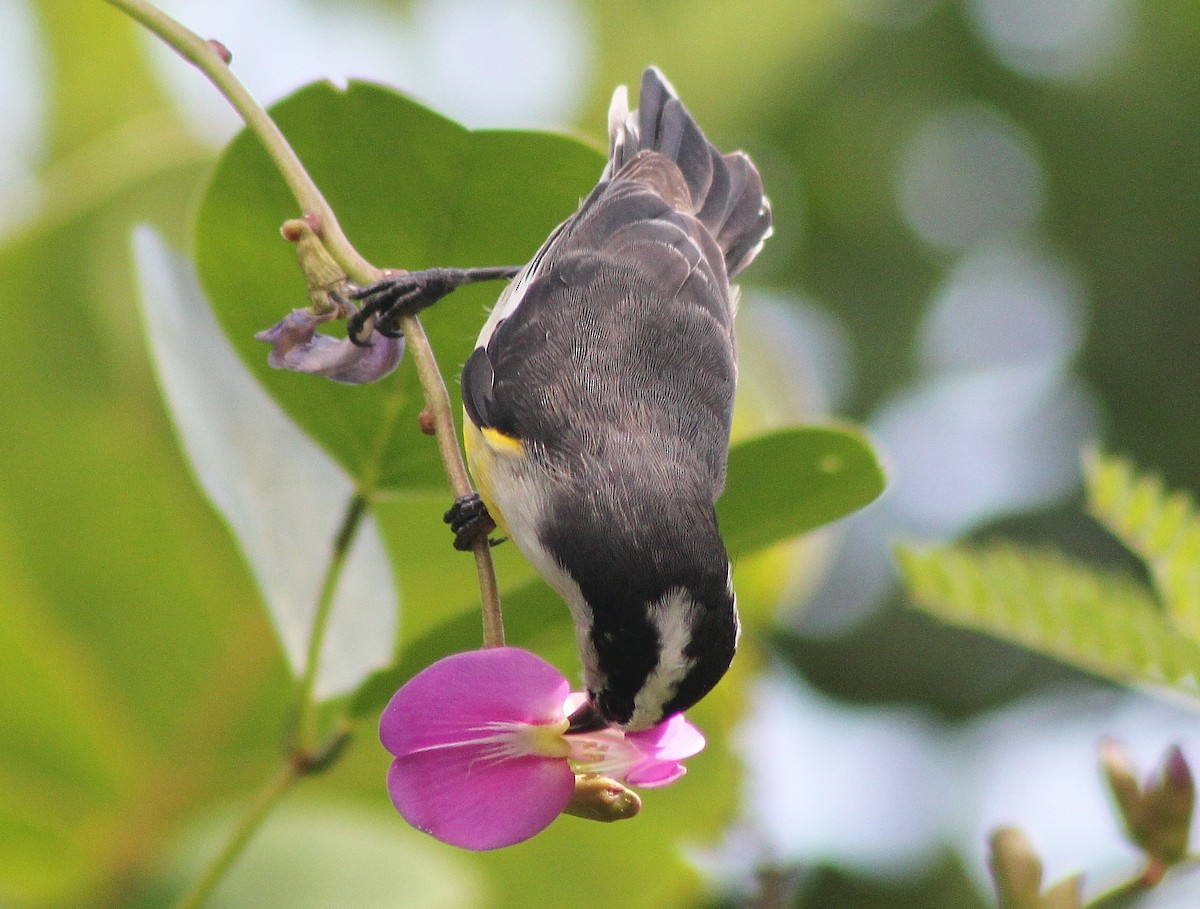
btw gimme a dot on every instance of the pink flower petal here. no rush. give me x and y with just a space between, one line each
462 798
476 738
457 696
663 747
673 739
652 774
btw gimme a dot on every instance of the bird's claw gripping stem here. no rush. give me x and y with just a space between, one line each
468 517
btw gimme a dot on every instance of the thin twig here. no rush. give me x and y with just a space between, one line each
219 867
204 56
209 59
306 702
437 402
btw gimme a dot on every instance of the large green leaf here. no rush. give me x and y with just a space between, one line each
412 190
282 497
322 854
129 650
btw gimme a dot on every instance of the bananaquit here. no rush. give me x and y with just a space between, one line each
598 405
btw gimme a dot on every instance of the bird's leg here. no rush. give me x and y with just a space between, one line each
469 519
408 293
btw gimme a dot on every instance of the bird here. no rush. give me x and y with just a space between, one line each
598 404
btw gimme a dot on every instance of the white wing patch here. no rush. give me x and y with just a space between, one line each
514 293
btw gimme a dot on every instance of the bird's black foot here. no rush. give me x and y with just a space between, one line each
468 517
407 293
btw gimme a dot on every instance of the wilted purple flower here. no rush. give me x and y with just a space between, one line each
296 346
481 755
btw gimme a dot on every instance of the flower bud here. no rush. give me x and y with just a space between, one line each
1168 802
1157 813
324 277
1016 870
221 51
598 798
296 346
1121 774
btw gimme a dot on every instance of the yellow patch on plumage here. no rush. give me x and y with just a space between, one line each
484 446
502 444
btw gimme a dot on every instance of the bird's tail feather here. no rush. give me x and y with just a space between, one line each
726 190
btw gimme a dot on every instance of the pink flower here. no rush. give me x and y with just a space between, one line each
481 758
296 346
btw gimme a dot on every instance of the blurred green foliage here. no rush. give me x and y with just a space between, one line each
139 678
1101 620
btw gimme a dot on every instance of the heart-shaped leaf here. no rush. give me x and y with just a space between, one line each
412 190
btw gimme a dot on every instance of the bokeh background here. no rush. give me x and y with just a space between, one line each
987 253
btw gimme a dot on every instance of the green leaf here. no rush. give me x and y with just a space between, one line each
128 645
528 611
1161 526
790 481
1101 622
412 190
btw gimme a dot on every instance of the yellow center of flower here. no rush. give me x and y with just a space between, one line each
605 752
546 740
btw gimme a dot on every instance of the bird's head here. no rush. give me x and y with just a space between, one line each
658 657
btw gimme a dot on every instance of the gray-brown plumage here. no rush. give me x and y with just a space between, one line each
611 358
599 400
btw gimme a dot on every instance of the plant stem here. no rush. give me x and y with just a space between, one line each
263 803
204 56
306 732
437 403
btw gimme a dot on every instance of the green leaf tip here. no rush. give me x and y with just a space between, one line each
1161 526
1102 622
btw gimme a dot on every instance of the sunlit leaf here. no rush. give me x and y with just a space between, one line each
528 611
282 496
67 747
1161 526
1101 622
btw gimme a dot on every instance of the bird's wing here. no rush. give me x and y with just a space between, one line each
621 331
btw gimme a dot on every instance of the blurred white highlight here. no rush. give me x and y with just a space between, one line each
514 63
23 81
966 175
1055 39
